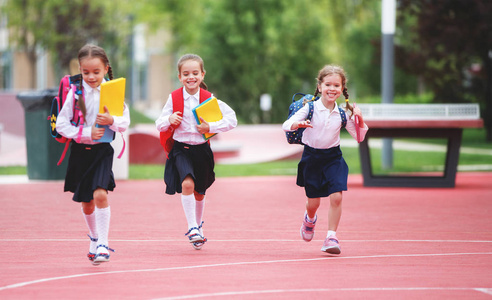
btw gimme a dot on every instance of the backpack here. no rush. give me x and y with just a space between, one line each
66 83
166 137
295 137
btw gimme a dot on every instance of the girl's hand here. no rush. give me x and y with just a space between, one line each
203 127
176 118
358 113
302 124
105 118
97 132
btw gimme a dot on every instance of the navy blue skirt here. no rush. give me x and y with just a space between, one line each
89 168
196 161
322 172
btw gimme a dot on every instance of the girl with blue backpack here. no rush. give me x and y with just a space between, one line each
89 173
322 170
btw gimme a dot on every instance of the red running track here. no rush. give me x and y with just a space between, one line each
397 243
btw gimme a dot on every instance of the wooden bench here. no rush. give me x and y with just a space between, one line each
417 121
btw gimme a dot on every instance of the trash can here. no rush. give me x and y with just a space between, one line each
43 151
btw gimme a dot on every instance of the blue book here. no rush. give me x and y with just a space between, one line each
108 136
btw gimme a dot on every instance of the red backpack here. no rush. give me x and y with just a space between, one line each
67 82
166 137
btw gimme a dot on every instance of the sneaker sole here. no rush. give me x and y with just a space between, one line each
332 250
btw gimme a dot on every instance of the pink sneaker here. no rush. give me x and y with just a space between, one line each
307 228
331 245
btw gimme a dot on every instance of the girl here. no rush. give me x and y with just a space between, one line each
89 173
190 165
322 170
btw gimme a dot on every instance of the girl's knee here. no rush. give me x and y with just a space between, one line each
188 186
88 207
101 198
336 199
198 196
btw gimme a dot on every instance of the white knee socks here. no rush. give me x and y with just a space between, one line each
200 205
189 207
90 220
103 216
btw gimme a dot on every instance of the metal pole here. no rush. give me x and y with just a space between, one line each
388 24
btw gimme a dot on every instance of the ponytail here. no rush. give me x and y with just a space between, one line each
347 104
81 100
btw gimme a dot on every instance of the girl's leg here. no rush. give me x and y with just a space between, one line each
312 206
90 220
331 244
309 220
103 216
189 206
199 207
335 212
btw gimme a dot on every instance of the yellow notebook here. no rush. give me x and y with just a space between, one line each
113 96
208 110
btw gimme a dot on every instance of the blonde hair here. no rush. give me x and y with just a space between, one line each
196 58
334 70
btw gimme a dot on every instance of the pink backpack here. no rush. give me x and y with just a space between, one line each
67 82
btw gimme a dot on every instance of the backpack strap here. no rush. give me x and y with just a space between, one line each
343 116
178 100
204 95
311 110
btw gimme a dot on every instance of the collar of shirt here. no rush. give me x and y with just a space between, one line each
186 95
321 106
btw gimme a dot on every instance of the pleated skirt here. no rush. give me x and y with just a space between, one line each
322 172
184 160
89 168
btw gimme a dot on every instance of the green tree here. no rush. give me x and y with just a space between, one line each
63 27
449 44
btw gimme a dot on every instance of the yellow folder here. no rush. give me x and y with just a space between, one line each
113 96
208 110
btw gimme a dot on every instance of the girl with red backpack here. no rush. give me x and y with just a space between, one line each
89 172
189 167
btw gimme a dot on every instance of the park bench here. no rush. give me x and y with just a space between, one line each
433 121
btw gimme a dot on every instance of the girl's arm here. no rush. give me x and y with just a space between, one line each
121 123
228 121
351 125
297 120
162 123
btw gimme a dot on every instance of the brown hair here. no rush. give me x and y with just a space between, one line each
196 58
91 51
334 70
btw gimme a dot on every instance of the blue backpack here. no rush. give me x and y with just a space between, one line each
295 137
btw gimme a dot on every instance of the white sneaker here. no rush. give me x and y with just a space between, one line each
102 254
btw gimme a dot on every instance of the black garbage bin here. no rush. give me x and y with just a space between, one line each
43 151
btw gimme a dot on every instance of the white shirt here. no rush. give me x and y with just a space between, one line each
326 123
91 96
187 132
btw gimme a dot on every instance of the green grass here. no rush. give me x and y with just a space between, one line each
404 161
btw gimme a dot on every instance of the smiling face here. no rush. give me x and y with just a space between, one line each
191 75
330 88
93 71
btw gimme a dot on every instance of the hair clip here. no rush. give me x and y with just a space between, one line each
79 92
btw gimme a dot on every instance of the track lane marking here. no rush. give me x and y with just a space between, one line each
22 284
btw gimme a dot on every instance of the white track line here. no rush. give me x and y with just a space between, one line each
250 240
22 284
238 293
